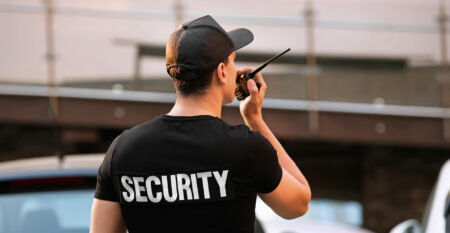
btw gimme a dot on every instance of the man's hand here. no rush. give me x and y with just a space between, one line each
251 106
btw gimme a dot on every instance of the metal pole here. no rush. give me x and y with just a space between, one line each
178 8
313 92
445 81
137 67
50 58
51 72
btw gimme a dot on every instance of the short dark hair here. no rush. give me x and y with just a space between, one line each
196 86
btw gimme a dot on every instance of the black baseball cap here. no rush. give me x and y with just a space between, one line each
199 45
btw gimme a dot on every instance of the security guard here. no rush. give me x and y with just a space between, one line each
189 171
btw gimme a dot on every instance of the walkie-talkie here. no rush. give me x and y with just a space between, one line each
242 91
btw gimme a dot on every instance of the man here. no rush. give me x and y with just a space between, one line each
189 171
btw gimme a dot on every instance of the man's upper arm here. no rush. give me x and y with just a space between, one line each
289 199
105 184
265 169
106 217
276 186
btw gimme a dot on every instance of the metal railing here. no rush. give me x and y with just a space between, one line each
316 71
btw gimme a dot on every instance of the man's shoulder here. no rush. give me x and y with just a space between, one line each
244 133
240 131
157 124
145 126
138 129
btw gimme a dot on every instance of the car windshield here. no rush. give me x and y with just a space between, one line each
49 212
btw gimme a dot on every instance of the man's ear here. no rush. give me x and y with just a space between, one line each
221 73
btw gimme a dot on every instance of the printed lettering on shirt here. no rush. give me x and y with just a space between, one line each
212 185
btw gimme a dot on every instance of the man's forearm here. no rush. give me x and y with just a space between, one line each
285 161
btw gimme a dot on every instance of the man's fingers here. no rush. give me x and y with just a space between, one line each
257 93
259 78
239 72
263 89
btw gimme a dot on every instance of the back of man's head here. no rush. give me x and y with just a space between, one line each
195 49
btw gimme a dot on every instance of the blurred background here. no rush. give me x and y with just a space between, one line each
361 103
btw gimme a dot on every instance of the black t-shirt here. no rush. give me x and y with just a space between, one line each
188 174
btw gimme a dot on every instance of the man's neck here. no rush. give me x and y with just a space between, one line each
197 105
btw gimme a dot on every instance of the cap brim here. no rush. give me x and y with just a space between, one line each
240 37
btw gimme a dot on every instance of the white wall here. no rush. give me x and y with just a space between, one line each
85 32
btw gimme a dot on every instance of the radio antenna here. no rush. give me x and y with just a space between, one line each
254 72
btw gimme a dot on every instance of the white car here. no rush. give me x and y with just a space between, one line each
272 223
437 216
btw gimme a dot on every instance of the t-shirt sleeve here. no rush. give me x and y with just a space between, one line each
105 186
266 169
